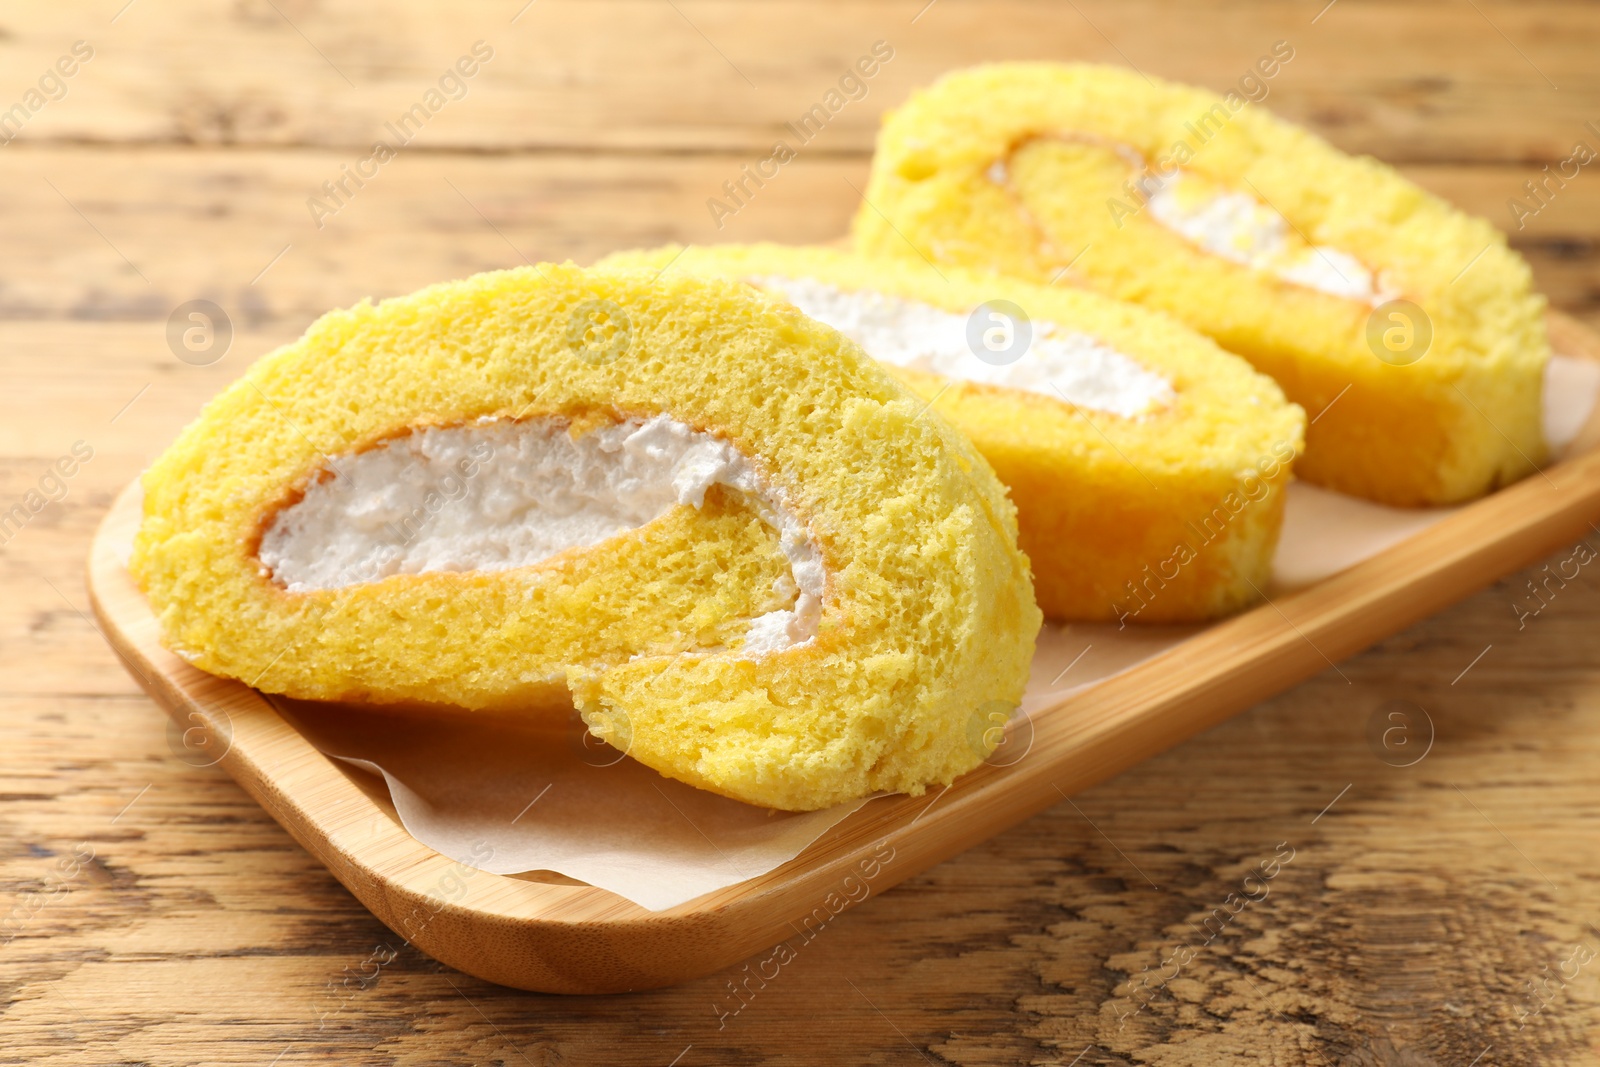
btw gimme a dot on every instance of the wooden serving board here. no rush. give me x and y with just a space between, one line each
536 933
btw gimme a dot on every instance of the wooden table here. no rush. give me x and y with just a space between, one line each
1432 914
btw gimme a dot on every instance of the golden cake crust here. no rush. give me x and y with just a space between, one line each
1166 517
928 616
1021 168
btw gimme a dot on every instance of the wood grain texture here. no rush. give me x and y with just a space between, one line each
183 224
1422 916
626 75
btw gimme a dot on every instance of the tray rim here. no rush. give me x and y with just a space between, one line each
557 937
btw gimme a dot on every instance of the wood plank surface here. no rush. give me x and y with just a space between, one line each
1378 77
96 249
1434 914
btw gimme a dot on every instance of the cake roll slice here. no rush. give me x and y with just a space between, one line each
1148 466
746 554
1408 331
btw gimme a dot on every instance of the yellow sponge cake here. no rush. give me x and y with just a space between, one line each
1147 465
746 552
1407 330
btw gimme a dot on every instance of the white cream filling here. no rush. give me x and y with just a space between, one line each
498 493
1241 229
1059 362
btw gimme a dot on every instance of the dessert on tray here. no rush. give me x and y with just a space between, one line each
1408 330
1148 466
764 515
750 557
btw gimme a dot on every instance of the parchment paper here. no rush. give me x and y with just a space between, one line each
510 795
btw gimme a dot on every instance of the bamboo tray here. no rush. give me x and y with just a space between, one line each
562 936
